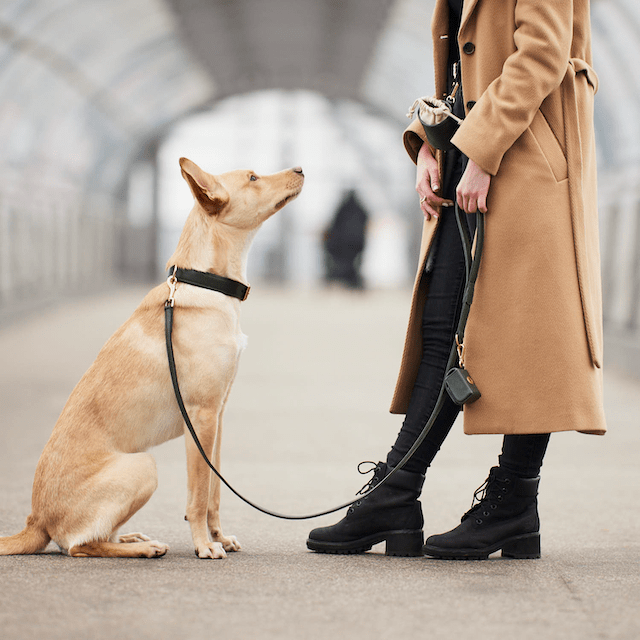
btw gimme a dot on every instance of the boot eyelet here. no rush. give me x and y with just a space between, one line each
499 498
485 513
478 520
358 503
507 481
493 506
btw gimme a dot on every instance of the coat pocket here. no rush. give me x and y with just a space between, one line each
549 146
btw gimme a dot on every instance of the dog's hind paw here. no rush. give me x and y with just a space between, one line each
211 550
127 538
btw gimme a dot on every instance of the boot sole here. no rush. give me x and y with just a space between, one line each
524 547
403 543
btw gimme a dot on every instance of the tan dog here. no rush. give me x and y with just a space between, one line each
95 472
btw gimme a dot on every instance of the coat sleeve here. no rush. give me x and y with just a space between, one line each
504 111
413 139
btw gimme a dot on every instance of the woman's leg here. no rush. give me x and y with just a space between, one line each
522 455
439 322
393 513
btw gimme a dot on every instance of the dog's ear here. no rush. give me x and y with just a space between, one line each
207 191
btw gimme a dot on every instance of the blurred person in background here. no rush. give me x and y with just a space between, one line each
525 156
344 242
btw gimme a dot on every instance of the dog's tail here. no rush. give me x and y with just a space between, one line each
31 539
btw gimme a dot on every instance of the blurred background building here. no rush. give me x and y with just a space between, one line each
99 99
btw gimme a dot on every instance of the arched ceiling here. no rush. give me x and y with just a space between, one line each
247 45
84 84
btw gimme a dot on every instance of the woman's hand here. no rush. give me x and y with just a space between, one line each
473 189
428 182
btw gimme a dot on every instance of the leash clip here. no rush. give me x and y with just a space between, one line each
172 281
460 350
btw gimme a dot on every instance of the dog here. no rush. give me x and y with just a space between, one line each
95 471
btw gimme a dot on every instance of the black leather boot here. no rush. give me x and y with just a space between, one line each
392 514
506 518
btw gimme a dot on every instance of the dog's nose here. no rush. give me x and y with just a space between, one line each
298 170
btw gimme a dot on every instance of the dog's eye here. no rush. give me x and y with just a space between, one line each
253 178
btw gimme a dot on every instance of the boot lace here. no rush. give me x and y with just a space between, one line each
373 480
486 497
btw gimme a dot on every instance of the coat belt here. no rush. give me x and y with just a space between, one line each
573 144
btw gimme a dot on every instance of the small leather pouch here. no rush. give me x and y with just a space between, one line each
437 117
460 386
439 135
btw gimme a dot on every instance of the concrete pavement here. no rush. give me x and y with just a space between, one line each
310 402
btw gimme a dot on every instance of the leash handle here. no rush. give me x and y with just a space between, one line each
472 267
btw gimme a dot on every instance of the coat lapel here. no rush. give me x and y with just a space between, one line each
468 8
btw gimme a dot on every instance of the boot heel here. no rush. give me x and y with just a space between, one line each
526 547
407 544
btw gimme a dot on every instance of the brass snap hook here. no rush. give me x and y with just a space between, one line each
460 350
172 281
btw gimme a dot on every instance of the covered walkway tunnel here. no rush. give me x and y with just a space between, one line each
98 98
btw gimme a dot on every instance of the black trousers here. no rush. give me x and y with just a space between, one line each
521 454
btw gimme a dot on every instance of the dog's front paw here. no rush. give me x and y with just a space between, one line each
212 550
230 543
153 549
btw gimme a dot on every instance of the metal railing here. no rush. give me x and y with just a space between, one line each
620 249
54 242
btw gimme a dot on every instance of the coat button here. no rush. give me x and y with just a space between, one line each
471 104
469 48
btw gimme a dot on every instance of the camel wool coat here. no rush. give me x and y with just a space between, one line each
534 336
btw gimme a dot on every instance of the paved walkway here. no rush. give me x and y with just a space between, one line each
309 403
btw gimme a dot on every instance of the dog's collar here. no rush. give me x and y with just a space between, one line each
211 281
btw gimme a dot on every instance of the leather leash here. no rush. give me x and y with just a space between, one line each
238 290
